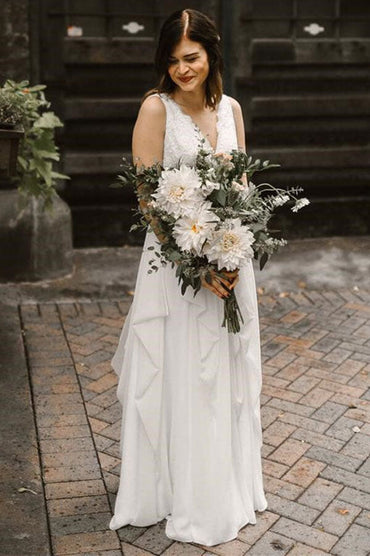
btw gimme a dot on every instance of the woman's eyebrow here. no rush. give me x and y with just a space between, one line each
185 56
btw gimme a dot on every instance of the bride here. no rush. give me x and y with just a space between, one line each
191 431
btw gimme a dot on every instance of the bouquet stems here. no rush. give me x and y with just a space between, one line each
232 314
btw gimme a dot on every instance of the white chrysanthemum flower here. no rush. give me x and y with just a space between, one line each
300 203
179 191
210 186
190 232
280 200
230 245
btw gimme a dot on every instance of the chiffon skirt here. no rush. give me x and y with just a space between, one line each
191 431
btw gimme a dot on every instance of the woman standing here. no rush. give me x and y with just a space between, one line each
191 431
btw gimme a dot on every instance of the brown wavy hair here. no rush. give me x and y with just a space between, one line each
197 27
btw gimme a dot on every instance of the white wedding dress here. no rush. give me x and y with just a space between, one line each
191 430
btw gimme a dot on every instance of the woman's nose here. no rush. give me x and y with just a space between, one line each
182 67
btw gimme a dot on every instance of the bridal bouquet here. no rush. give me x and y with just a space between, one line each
208 218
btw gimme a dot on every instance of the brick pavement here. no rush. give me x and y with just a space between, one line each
316 420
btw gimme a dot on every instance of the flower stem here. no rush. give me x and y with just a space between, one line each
232 314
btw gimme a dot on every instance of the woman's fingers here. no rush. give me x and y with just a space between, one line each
222 283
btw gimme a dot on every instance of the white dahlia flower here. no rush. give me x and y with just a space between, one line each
179 191
210 186
190 232
300 203
230 245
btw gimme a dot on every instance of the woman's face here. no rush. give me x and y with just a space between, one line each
188 65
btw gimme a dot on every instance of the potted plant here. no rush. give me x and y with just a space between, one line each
28 107
10 119
34 243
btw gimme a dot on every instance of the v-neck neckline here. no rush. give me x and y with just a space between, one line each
200 132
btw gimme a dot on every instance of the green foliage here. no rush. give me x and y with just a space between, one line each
37 151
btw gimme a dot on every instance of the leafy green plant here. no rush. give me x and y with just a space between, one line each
37 151
10 111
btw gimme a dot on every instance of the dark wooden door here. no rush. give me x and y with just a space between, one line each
304 81
97 61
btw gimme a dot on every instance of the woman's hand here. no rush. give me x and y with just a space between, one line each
222 282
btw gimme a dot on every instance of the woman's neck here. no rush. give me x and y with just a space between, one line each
193 101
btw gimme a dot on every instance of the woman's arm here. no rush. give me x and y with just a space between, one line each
147 146
239 125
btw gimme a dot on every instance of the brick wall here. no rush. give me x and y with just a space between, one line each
14 40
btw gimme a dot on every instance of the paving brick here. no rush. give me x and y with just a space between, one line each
282 488
316 397
304 534
129 533
335 458
277 432
363 518
275 381
342 428
79 505
337 517
289 452
108 462
358 446
361 499
86 542
77 458
154 539
251 533
85 472
231 548
317 439
97 425
79 523
271 544
361 412
347 478
268 415
329 412
66 445
74 489
365 468
130 550
300 549
292 371
288 508
183 549
56 433
112 414
273 468
304 471
63 420
304 384
355 541
282 359
111 481
280 393
327 375
286 406
342 389
104 383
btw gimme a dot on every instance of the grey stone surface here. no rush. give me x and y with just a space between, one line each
23 523
35 243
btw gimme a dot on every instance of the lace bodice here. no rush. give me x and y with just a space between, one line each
183 137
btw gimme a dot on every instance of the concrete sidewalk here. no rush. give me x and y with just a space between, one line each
315 327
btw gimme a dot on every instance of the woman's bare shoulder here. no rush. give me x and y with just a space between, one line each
153 107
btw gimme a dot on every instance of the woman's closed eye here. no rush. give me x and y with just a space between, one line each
173 61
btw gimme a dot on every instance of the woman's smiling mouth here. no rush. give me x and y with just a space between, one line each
185 79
